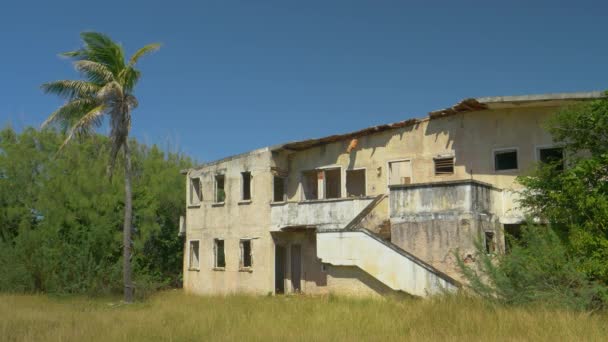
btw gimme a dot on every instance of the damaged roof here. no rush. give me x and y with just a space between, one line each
464 106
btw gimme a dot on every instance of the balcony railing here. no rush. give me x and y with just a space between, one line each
320 214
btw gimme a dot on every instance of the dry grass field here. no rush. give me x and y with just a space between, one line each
176 316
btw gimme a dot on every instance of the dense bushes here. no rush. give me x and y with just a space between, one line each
564 261
61 217
538 269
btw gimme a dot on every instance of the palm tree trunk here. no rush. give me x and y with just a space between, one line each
128 284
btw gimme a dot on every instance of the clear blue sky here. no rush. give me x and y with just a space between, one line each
237 75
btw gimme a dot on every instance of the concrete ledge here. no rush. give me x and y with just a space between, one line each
543 97
442 184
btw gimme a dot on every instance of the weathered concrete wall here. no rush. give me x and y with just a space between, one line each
455 196
313 279
233 220
324 214
434 221
398 271
353 281
471 138
430 234
377 221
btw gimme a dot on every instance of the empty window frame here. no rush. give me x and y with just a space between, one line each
246 260
399 172
196 195
333 183
220 192
246 189
278 189
505 160
490 243
512 236
310 184
552 155
444 166
355 183
219 256
194 255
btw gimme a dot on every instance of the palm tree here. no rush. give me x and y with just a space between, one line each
105 91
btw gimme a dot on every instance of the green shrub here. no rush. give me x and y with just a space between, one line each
538 269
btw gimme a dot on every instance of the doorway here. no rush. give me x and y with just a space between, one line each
296 268
279 269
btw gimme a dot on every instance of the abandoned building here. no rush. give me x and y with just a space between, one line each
371 212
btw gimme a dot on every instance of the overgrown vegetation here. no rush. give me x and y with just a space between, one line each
61 217
105 90
175 316
563 260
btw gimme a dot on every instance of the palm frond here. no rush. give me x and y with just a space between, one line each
86 124
143 51
70 88
95 72
129 76
100 48
69 113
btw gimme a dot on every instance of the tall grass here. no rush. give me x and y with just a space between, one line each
175 316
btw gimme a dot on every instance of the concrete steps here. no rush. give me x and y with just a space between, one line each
357 245
391 265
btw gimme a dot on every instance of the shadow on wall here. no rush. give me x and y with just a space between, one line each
373 142
355 273
473 137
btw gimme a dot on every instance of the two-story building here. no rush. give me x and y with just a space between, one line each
376 211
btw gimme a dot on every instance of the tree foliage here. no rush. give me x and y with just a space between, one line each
575 201
563 261
105 90
61 217
538 269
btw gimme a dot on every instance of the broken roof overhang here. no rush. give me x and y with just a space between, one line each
309 143
464 106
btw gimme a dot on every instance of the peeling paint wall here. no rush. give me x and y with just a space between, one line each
327 214
471 138
435 221
429 223
232 221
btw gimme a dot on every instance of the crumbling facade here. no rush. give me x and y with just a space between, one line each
376 211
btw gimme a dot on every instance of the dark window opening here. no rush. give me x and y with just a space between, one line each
280 264
490 243
505 160
220 193
220 258
444 166
246 186
333 183
512 236
279 189
195 191
194 260
310 184
246 257
355 183
554 156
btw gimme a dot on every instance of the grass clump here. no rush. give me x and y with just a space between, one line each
174 315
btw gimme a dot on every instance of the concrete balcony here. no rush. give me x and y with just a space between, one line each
466 196
320 214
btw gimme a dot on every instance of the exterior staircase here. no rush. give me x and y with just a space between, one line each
357 245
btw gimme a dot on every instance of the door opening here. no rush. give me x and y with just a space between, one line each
279 269
296 268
